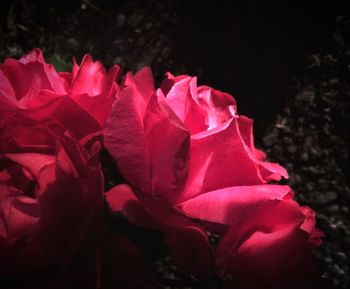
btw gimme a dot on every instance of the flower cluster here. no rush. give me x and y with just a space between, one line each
190 169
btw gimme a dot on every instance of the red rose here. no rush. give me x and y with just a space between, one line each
187 153
31 84
50 194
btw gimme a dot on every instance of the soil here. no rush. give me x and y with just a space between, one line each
288 67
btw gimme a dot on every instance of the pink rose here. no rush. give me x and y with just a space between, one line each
189 156
199 122
81 100
50 194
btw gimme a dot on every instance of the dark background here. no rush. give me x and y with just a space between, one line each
286 64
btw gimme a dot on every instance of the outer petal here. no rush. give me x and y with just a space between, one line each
153 164
270 247
7 94
71 115
144 81
232 204
122 199
187 242
269 171
125 138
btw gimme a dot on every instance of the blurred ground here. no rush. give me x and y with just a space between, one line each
288 67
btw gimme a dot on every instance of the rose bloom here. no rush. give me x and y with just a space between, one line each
51 192
80 99
189 156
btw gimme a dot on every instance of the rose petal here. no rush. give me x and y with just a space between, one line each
219 106
168 153
276 247
269 171
18 214
99 107
121 199
33 162
125 139
144 81
70 115
7 93
182 98
270 233
216 156
91 78
231 204
187 242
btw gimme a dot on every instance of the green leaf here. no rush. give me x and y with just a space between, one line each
59 64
